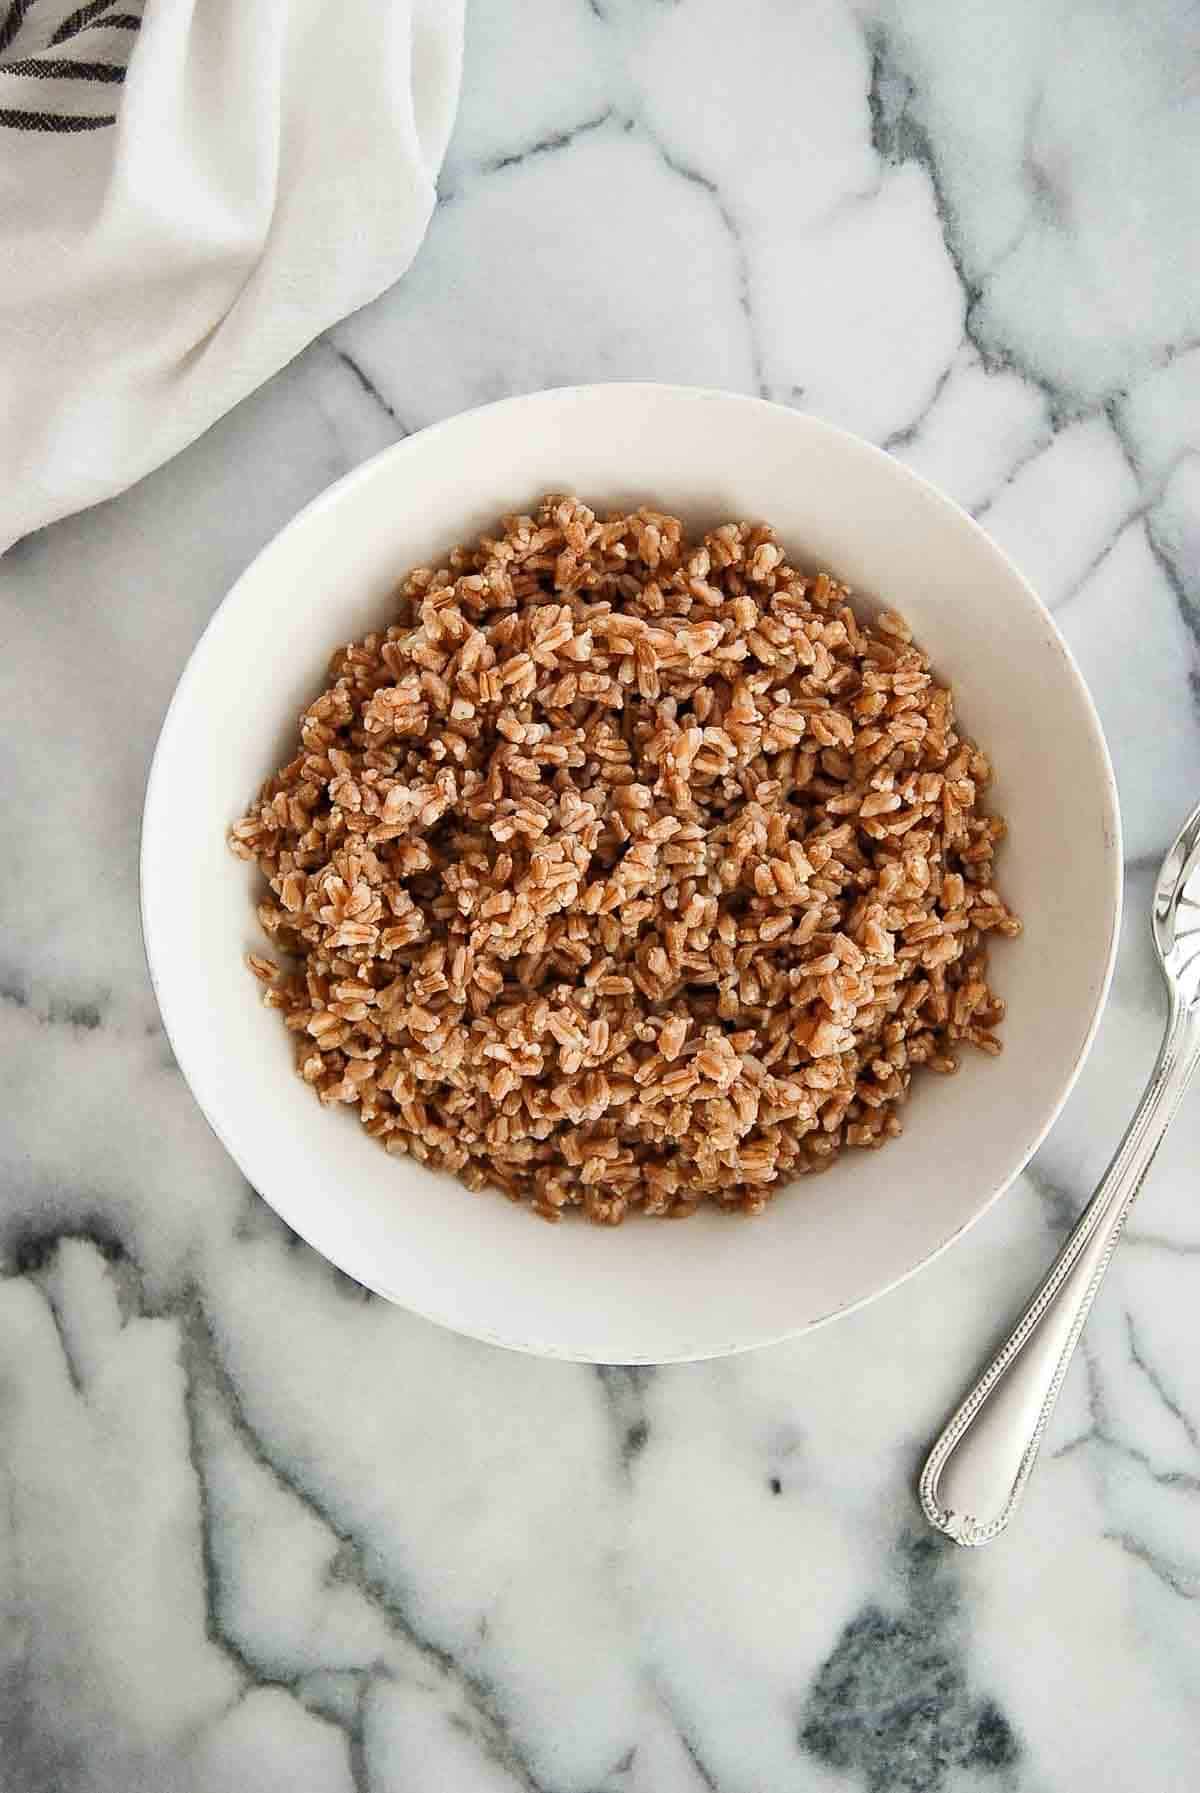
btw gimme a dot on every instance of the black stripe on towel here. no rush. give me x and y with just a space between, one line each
12 22
92 14
61 68
53 121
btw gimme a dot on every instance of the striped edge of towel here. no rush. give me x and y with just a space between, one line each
60 64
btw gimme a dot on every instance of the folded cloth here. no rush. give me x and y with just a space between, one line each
190 191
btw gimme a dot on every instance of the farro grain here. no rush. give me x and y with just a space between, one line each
626 874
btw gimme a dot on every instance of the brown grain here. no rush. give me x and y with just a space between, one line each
622 873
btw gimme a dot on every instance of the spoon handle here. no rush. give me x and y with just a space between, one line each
976 1471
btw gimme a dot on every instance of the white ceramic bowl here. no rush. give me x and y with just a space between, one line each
647 1291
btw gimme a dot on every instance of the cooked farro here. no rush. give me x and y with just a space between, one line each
620 872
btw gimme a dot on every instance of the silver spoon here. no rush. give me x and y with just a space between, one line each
978 1468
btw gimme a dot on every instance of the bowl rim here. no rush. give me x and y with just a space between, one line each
398 452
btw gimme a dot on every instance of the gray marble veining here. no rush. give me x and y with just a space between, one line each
257 1528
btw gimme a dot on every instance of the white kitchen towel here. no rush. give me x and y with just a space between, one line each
191 191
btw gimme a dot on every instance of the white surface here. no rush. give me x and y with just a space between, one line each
268 170
643 1293
280 1530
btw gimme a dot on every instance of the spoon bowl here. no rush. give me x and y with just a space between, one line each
1177 913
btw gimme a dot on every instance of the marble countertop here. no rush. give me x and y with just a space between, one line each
260 1530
